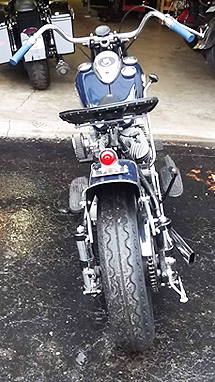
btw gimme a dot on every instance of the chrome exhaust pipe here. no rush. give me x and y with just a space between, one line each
182 247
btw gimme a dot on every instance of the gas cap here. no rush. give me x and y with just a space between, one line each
84 67
130 60
128 71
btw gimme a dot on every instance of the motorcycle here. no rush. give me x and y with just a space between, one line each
125 242
200 15
20 19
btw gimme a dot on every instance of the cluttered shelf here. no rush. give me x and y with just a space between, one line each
113 9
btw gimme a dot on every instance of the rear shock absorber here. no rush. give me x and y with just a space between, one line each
90 277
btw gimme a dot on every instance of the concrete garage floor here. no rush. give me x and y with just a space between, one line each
185 90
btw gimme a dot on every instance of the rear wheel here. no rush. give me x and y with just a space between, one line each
127 296
38 73
210 57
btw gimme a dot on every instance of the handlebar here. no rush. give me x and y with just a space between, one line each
21 52
186 32
183 32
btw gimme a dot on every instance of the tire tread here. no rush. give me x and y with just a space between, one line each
38 73
121 263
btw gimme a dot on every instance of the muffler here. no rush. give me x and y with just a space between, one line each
182 247
62 68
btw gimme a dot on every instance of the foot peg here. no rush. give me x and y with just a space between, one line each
76 198
174 279
167 173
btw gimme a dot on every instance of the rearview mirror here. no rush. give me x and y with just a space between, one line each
153 78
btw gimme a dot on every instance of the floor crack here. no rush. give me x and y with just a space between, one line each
7 133
25 100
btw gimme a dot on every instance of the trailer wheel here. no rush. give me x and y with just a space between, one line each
38 73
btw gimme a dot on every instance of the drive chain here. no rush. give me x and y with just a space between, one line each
152 274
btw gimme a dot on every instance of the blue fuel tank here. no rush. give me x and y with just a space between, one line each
128 85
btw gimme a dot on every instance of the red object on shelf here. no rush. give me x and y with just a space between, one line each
185 17
126 6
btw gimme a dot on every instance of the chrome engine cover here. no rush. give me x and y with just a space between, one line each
107 66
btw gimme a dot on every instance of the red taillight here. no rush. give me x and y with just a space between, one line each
108 157
30 30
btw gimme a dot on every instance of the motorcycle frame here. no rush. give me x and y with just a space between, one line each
133 182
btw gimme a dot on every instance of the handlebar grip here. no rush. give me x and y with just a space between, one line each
20 53
176 27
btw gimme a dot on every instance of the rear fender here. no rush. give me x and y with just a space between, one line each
126 176
37 51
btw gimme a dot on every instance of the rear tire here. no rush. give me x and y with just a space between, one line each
127 297
210 57
38 73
